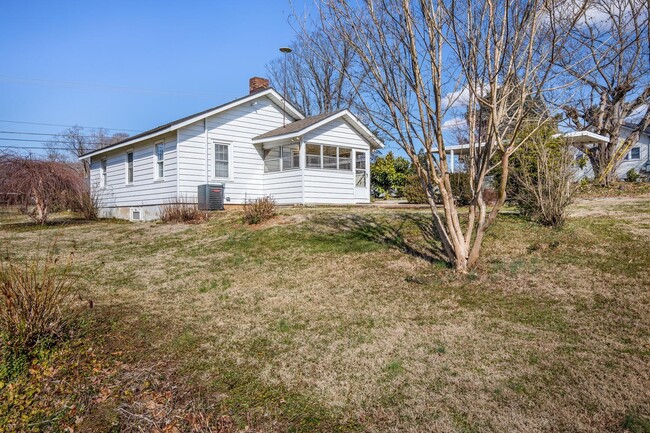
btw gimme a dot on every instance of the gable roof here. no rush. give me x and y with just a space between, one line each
270 93
301 127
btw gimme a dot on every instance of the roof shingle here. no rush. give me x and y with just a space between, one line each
296 126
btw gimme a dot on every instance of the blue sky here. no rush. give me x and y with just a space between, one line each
130 65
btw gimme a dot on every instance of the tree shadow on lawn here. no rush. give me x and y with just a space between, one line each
397 231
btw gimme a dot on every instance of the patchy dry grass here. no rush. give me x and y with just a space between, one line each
345 319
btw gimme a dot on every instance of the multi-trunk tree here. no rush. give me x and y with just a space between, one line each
413 57
606 58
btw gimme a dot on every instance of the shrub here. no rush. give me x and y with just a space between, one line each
38 302
259 210
388 175
87 204
544 179
413 191
632 176
182 211
460 187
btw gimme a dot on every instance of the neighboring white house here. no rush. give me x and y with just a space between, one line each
251 145
638 158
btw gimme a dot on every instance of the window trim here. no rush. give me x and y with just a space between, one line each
213 172
156 161
103 173
126 167
320 153
628 156
338 157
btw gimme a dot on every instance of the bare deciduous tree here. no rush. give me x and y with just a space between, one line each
77 141
315 74
418 56
608 56
37 187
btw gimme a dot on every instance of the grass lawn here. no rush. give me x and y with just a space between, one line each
344 319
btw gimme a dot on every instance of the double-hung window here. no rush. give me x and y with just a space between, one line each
635 153
102 173
221 161
129 167
159 156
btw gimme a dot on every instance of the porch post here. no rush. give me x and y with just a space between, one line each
303 154
452 161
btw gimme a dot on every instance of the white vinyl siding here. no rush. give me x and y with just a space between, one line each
284 186
191 158
235 127
145 189
332 185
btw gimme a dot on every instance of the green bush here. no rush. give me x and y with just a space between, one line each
632 176
413 191
460 187
388 175
259 210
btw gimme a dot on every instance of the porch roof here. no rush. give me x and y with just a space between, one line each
298 128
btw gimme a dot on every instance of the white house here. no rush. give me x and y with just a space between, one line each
638 158
257 145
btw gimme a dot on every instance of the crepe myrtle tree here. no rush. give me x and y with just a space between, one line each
607 56
417 58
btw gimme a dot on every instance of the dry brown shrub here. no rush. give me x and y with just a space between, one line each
38 300
182 210
259 210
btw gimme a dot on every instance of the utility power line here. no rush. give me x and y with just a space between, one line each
67 126
46 134
33 147
39 141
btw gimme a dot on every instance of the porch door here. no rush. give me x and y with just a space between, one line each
360 175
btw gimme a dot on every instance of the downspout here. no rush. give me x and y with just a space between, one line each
303 164
207 168
178 165
207 151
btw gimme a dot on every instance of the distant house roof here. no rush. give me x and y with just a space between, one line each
301 127
176 124
582 137
628 125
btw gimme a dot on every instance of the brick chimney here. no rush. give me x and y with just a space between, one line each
257 84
